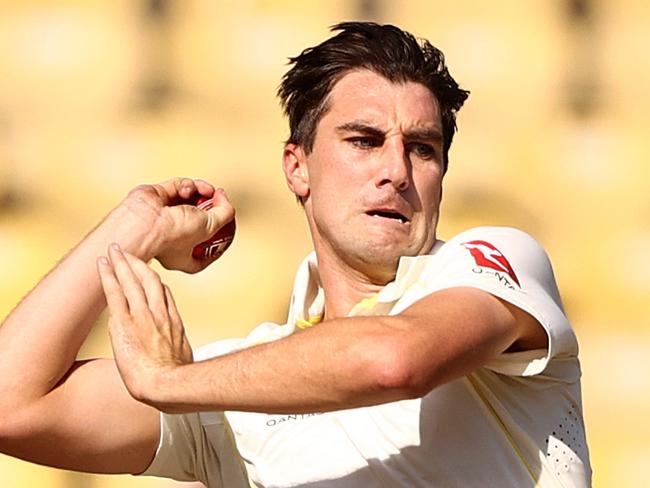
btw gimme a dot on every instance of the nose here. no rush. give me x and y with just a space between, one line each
395 166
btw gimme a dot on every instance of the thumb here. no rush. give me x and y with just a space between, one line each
185 244
216 213
220 223
219 212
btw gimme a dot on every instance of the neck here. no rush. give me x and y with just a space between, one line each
343 285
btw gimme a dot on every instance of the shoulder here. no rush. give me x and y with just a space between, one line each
509 254
511 265
487 240
495 259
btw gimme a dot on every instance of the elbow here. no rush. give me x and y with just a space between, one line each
6 420
11 429
4 434
398 370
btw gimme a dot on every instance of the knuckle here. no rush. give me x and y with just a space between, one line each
181 182
140 189
152 277
164 322
142 193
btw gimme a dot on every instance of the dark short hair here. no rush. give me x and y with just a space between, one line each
385 49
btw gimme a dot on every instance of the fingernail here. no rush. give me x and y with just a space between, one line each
116 247
103 261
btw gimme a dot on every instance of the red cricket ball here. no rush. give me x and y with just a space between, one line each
218 243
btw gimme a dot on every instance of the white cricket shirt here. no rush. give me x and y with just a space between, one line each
516 422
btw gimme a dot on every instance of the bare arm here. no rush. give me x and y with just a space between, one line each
337 364
78 415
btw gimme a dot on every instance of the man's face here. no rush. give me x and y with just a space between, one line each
374 175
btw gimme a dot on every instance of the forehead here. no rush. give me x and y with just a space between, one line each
367 96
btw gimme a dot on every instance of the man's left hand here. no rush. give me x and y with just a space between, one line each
145 328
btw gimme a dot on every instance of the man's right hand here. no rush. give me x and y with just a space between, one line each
48 399
171 223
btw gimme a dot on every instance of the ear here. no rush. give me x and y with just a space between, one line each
294 164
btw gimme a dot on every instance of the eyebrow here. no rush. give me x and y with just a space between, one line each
361 127
431 134
424 134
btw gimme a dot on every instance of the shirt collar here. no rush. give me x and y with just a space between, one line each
308 299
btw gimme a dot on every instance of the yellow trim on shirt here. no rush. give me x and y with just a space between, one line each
364 306
368 303
311 321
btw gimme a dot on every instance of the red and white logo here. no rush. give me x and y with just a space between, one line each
488 256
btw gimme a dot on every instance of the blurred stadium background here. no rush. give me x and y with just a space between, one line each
99 96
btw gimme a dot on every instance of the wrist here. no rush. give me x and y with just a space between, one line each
138 228
160 390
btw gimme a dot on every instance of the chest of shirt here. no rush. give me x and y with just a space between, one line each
420 442
281 450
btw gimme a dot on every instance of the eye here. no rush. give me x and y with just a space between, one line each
364 142
423 151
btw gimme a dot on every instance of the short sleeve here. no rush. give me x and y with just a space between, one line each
512 266
198 447
175 457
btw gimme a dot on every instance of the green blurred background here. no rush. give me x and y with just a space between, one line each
99 96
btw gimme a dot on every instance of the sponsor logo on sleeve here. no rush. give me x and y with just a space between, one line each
489 259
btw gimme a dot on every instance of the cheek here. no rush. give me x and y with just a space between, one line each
429 189
342 174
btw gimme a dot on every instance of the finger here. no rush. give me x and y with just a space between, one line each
185 187
203 223
188 354
204 188
152 286
180 190
117 303
175 191
172 192
175 322
131 286
172 310
190 191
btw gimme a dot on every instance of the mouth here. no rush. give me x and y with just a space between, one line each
388 214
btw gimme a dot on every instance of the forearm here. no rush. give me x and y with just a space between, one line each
41 337
341 363
349 362
338 364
